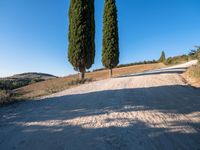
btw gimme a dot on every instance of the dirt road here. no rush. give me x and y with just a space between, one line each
155 110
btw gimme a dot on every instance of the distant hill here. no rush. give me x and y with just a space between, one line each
32 75
20 80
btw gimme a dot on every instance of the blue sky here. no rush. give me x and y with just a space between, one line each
33 33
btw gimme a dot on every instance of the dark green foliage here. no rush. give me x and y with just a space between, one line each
81 48
192 52
110 52
162 57
195 54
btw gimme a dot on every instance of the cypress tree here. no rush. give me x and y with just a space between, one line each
162 57
81 48
110 52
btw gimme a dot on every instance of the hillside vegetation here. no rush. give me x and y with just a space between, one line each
20 80
193 73
9 84
177 60
193 54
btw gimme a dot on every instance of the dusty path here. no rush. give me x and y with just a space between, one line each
154 110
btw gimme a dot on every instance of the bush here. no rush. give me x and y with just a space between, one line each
195 54
79 81
5 97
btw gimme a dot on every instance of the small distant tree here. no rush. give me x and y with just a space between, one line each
81 48
195 54
192 53
110 52
162 57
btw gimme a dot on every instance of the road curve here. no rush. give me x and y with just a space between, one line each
154 110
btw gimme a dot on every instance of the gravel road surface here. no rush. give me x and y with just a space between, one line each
154 110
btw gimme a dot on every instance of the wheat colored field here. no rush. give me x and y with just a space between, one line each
60 84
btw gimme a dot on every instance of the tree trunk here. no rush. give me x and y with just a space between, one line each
82 74
110 73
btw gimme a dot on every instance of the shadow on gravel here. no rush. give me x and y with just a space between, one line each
14 134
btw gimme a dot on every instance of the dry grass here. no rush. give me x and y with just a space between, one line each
59 84
99 75
193 75
194 71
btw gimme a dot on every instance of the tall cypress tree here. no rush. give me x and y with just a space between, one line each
162 57
110 52
81 48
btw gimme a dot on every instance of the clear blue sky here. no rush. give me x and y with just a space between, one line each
33 33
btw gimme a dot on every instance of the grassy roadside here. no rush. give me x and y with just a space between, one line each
192 75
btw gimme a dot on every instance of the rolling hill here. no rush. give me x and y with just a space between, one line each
20 80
